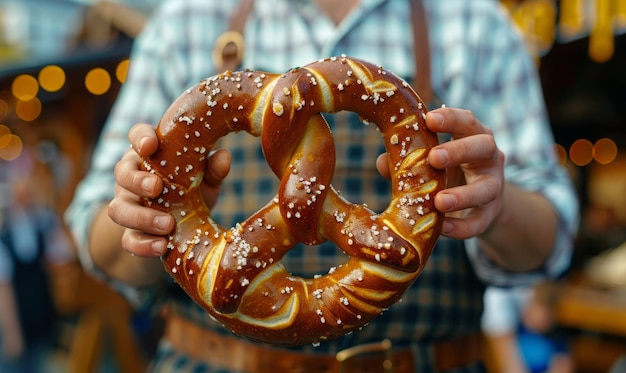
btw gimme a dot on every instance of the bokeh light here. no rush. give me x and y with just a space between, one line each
4 109
122 70
4 130
52 78
28 110
98 81
604 151
24 87
581 152
601 39
561 153
10 147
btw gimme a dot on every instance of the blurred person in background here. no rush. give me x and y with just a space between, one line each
32 240
519 326
511 211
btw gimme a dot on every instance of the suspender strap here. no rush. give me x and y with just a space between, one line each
229 47
421 51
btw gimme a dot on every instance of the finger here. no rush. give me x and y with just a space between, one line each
129 176
472 225
218 167
483 190
127 213
141 244
457 122
125 194
467 150
143 139
382 164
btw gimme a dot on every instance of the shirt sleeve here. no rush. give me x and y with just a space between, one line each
508 98
163 64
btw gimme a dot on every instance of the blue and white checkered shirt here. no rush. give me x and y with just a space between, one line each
478 62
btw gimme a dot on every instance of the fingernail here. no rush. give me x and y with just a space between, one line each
162 222
158 247
448 201
147 184
440 156
435 116
142 142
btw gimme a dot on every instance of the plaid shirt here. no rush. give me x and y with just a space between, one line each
478 63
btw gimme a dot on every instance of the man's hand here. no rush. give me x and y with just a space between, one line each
146 227
474 168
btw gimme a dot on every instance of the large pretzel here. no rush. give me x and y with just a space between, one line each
235 274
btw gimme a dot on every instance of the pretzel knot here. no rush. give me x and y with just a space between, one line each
236 274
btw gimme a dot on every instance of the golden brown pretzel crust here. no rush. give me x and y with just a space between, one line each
235 274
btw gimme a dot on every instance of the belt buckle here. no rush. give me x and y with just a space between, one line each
383 346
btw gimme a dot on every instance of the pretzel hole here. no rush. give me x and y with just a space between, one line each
319 259
239 200
357 144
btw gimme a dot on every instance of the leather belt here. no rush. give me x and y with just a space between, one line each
231 352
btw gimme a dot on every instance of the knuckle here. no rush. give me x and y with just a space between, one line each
482 226
492 188
489 142
115 211
118 190
121 171
488 130
117 169
468 229
501 157
495 184
474 122
123 213
135 179
129 243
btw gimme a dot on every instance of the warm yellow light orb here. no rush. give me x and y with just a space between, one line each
581 152
52 78
98 81
4 109
604 151
10 147
4 130
561 153
122 70
28 110
24 87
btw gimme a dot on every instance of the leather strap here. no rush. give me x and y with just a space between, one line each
421 51
229 47
233 353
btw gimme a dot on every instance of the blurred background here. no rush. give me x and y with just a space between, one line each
62 63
